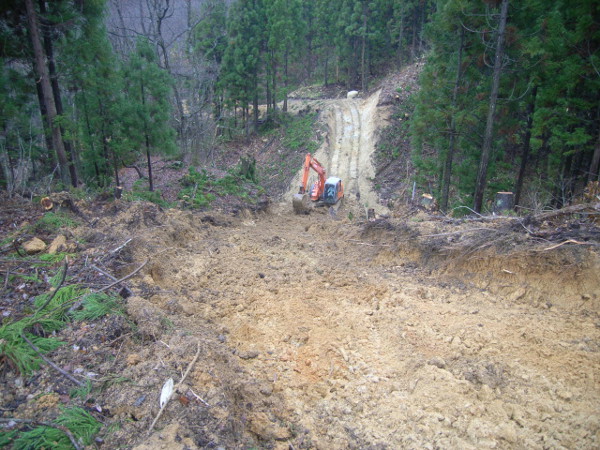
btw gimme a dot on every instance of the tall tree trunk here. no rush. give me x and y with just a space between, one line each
401 37
43 78
285 79
44 113
447 176
108 151
326 70
274 80
421 27
255 102
268 93
593 173
526 147
89 130
165 54
489 126
147 140
353 64
413 45
57 96
150 177
363 51
309 49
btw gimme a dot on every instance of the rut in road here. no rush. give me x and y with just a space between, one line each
348 147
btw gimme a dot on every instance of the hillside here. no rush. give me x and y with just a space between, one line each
320 330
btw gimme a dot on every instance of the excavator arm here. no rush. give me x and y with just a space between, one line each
301 199
319 186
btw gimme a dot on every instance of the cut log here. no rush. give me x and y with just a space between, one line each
428 202
47 203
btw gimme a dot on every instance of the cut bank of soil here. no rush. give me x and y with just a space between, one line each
356 342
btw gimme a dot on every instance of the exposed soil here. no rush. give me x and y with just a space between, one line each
318 331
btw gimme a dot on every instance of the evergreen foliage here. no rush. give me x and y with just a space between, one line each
146 110
116 107
78 421
547 74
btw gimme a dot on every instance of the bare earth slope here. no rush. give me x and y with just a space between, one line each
351 125
377 335
356 342
315 331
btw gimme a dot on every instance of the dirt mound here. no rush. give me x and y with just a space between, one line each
375 335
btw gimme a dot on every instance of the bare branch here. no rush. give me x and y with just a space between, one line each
49 362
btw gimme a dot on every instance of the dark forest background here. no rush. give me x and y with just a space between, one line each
509 96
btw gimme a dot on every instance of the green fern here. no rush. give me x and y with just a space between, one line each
96 305
18 352
76 420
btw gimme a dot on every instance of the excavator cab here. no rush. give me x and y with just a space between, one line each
333 191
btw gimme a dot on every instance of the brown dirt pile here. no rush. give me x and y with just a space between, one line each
334 335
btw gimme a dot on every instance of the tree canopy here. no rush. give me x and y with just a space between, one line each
508 99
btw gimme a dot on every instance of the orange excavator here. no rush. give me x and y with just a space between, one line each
324 191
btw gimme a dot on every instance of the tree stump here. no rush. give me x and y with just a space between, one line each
504 202
428 202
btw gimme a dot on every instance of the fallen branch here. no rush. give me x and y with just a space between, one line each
109 276
105 288
457 232
466 207
568 241
45 424
126 277
199 398
366 243
50 363
189 368
62 280
575 209
120 247
6 279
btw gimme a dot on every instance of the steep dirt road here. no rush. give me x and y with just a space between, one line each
346 153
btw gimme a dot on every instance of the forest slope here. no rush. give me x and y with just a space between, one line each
320 331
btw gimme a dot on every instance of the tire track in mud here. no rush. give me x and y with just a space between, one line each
334 138
346 152
353 174
344 155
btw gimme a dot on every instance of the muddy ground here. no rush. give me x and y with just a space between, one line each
327 330
318 332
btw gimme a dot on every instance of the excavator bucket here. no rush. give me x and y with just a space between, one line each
301 203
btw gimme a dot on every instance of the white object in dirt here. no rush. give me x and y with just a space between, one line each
167 391
352 94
